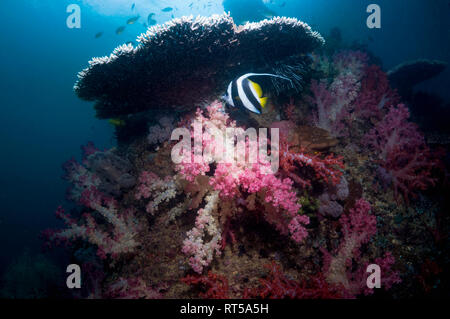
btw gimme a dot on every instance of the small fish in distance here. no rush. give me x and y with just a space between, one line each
120 30
132 20
150 19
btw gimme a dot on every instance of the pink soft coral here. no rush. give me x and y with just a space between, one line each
376 95
116 238
120 236
402 151
80 179
279 194
358 227
348 61
156 190
204 240
239 185
334 103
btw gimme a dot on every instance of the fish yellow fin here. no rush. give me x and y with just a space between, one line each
117 122
263 101
257 88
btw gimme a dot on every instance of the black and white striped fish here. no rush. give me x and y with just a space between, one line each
245 93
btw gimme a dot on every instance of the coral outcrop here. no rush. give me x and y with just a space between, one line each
187 60
172 213
358 227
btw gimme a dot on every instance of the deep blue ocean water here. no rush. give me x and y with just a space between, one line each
43 123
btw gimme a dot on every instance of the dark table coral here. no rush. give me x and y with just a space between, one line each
187 60
406 75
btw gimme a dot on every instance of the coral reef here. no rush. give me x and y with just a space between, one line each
402 151
186 218
230 188
187 60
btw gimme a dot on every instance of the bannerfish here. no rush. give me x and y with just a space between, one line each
98 35
168 9
245 93
132 20
120 30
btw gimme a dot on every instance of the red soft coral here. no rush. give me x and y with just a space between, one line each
358 227
375 95
305 168
214 286
278 286
402 151
132 288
